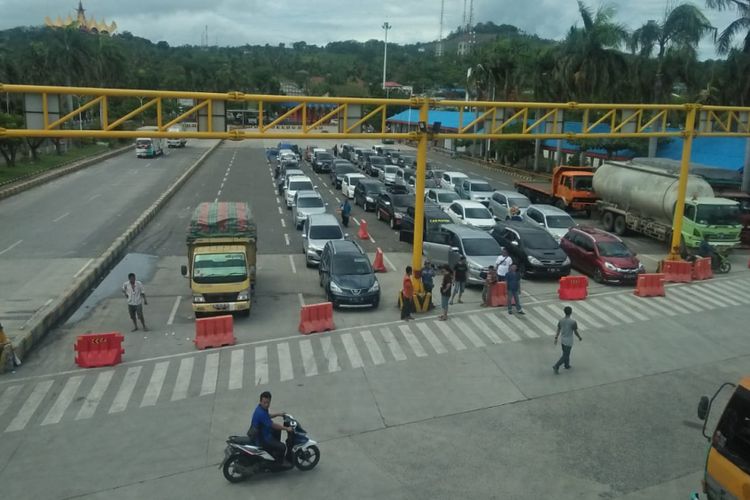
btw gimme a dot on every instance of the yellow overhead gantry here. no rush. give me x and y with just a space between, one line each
488 120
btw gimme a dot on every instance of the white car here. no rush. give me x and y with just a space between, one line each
349 183
443 197
502 202
554 220
296 183
450 179
471 213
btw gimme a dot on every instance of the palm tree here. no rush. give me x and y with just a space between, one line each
724 41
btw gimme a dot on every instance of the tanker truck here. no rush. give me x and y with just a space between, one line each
641 196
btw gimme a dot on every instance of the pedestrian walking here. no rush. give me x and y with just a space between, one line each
503 263
445 291
407 296
566 328
346 210
513 280
460 271
335 150
490 279
428 279
136 295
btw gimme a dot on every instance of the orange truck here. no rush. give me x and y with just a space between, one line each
571 189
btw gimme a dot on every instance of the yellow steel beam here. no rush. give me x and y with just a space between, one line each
327 116
284 116
416 256
679 209
75 112
184 115
128 116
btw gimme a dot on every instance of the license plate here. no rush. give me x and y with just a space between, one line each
553 270
221 307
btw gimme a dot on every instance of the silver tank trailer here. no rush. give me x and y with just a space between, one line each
647 188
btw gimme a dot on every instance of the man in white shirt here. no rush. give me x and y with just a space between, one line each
502 264
136 296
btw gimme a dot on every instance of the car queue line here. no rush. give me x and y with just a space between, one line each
83 394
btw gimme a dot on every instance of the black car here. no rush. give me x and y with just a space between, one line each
339 170
322 162
375 165
533 249
407 161
364 157
346 275
392 207
366 193
434 218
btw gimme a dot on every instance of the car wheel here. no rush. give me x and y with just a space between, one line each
598 276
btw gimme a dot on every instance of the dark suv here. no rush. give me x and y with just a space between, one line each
322 162
434 218
339 170
375 165
533 249
347 276
366 193
392 207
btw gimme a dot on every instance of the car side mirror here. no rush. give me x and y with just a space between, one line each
346 236
304 236
183 270
703 405
455 250
541 224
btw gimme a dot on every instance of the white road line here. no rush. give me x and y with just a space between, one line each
393 345
280 212
722 302
431 338
301 300
673 303
372 240
291 262
351 350
93 197
29 407
236 369
723 290
210 374
330 354
595 312
8 397
126 389
689 300
617 302
153 390
308 358
286 238
468 333
503 326
448 334
182 383
61 217
412 341
483 328
147 165
388 261
355 220
87 264
541 327
261 365
283 222
653 304
218 194
216 200
613 311
286 371
588 320
90 404
539 312
14 245
66 396
174 309
372 346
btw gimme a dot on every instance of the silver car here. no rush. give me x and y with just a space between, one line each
475 190
316 232
502 202
307 203
296 183
451 241
443 197
389 174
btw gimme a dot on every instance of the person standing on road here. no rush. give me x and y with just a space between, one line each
428 279
407 296
445 291
502 264
489 281
136 295
566 327
460 271
513 280
346 210
335 150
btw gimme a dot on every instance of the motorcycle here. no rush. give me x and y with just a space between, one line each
243 459
719 261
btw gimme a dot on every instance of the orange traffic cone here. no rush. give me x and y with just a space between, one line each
363 234
378 266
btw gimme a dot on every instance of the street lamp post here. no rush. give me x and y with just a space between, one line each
386 26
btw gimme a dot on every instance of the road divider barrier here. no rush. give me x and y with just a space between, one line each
702 269
677 271
99 349
573 288
498 294
316 318
422 300
363 234
217 331
378 265
650 285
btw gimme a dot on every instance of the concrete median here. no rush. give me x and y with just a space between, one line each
80 289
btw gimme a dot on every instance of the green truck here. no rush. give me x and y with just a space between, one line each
221 248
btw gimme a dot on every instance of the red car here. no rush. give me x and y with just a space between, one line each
601 255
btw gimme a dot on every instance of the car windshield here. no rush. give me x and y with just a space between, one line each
345 169
310 202
402 200
377 160
481 187
325 233
732 436
481 246
300 185
519 202
541 240
584 183
325 156
351 264
717 215
447 197
219 268
391 170
143 143
560 221
477 213
613 249
373 188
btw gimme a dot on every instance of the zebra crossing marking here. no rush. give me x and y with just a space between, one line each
151 396
94 397
8 397
724 288
184 373
503 326
126 389
595 312
612 301
330 354
723 302
308 358
651 303
351 350
372 347
55 414
614 311
30 406
431 338
261 365
468 333
210 374
448 334
674 304
541 327
487 331
412 341
694 302
588 320
236 369
286 370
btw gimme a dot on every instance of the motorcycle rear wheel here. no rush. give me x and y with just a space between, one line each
230 471
308 458
725 267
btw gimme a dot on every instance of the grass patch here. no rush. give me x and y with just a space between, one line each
51 161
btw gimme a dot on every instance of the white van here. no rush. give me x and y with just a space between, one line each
176 142
146 147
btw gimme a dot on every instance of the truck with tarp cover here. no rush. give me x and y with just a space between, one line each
221 248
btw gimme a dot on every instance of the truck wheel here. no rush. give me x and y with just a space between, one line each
620 227
608 221
560 204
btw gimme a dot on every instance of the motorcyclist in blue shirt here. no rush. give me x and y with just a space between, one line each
268 433
705 249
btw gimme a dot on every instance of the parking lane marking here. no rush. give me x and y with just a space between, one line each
283 222
388 261
280 212
14 245
174 310
61 217
286 238
301 300
294 268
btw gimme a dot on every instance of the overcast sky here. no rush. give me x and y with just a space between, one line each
237 22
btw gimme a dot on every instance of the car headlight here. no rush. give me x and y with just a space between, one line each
641 269
475 267
335 288
369 199
244 294
198 299
534 261
566 262
610 266
375 287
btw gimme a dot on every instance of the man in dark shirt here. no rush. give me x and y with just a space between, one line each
513 281
460 271
264 428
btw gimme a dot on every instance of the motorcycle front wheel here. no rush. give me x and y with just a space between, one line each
725 267
232 470
308 458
